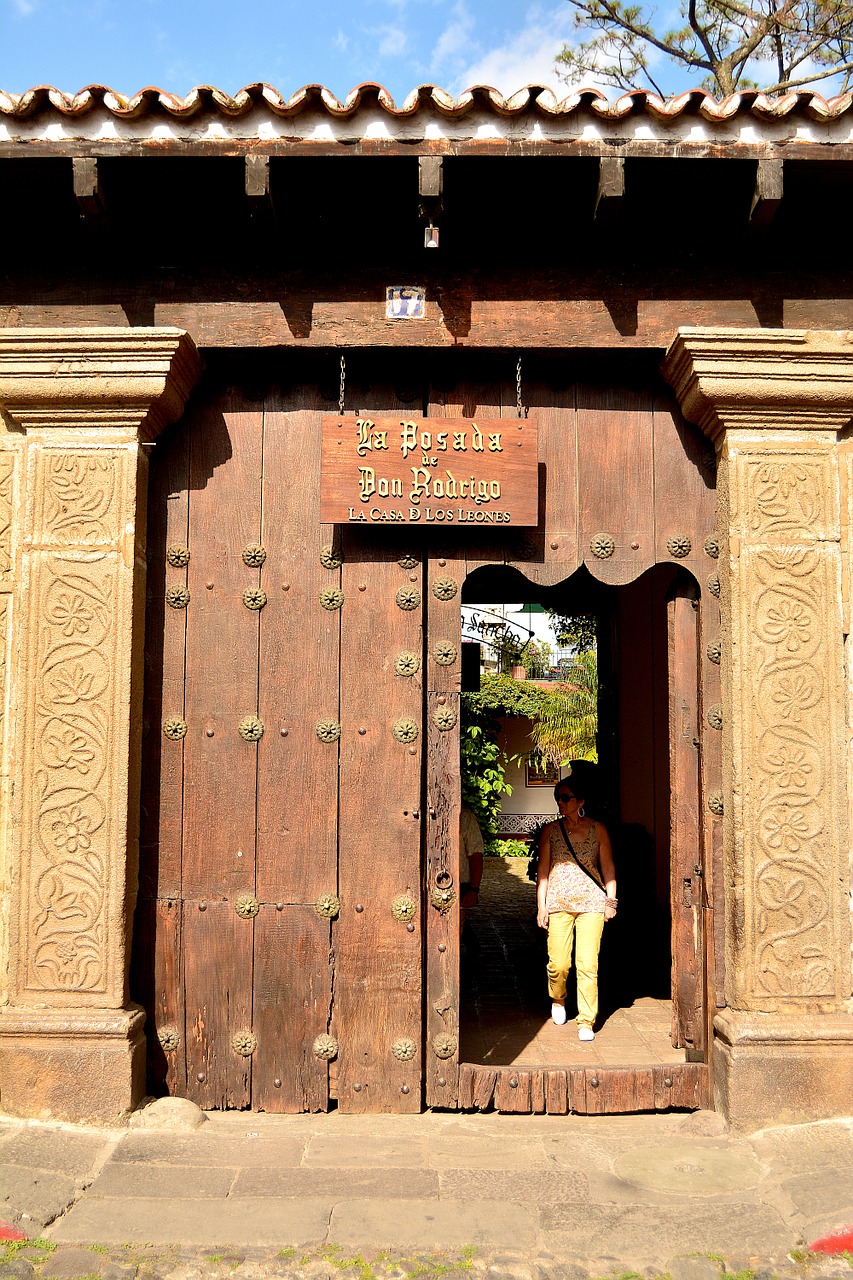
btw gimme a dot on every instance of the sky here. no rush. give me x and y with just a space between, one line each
176 44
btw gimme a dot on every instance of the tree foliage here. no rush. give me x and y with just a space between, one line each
566 724
564 727
774 45
574 630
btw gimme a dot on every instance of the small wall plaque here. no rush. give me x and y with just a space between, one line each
405 302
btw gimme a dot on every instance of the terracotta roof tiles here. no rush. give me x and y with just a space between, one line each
44 100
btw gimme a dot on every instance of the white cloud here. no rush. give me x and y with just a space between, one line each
392 43
454 42
526 57
341 42
25 7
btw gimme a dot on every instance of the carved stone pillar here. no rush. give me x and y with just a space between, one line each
775 404
77 406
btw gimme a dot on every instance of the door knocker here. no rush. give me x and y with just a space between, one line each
443 894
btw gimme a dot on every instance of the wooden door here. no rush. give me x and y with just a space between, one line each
301 762
238 865
687 872
378 997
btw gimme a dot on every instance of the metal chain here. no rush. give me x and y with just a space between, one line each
518 403
343 385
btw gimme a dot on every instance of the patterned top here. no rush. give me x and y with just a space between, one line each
569 888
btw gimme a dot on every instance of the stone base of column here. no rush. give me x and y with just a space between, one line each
771 1069
83 1066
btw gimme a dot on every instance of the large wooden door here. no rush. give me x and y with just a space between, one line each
297 934
278 938
238 865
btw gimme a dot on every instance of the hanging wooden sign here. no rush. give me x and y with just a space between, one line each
450 471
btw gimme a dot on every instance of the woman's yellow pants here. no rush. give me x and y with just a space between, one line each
585 928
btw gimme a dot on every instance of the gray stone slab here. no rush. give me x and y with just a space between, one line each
702 1167
388 1184
693 1269
805 1146
34 1194
823 1193
153 1180
17 1269
69 1264
350 1151
645 1233
212 1149
583 1151
485 1151
542 1186
196 1222
55 1150
560 1271
428 1224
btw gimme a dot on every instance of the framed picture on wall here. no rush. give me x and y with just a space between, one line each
540 772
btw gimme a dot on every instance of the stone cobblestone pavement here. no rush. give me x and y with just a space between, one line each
387 1198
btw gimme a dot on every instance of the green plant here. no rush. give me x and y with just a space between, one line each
510 849
483 769
99 1248
289 1252
566 725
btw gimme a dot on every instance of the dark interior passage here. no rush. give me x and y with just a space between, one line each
504 1002
505 1005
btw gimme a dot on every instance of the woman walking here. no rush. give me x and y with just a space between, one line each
576 893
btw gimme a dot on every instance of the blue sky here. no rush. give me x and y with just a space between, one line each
176 44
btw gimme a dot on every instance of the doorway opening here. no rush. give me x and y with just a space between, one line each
634 766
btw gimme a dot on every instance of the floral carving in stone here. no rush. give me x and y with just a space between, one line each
7 477
787 655
79 495
70 804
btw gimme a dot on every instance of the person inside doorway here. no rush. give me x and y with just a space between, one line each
576 894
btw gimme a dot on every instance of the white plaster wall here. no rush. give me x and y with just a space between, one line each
515 739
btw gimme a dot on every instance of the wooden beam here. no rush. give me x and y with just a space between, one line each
430 177
611 189
258 192
636 148
768 192
89 193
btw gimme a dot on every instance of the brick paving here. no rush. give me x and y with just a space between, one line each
505 1014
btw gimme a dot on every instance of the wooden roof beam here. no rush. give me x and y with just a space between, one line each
259 193
611 190
89 194
768 192
430 194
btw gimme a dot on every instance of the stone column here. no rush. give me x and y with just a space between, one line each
78 408
775 404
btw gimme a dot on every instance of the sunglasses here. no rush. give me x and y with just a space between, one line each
565 796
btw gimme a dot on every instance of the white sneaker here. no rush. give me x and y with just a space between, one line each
586 1033
558 1014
